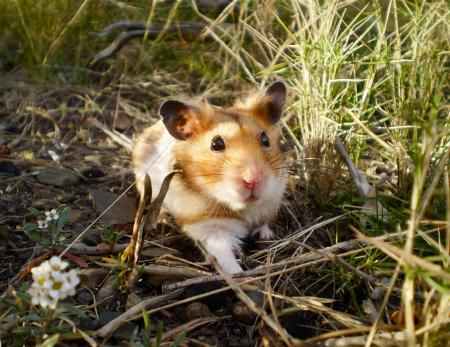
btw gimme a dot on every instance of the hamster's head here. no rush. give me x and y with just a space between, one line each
230 155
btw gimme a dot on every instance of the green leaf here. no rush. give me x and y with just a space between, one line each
63 217
159 333
50 342
179 339
23 296
145 317
29 227
72 310
34 211
33 317
34 236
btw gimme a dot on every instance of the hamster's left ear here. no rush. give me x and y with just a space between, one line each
273 102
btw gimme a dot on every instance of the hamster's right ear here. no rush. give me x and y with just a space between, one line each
180 118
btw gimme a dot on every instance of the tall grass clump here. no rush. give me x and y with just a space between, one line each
376 74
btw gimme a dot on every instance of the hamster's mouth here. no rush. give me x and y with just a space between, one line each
251 198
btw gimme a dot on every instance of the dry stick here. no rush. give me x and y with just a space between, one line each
246 300
171 271
136 309
121 139
189 326
138 230
112 326
345 332
302 259
127 317
133 251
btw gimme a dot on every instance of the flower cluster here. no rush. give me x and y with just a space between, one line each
51 283
49 216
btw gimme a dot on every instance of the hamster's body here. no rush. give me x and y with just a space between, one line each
232 179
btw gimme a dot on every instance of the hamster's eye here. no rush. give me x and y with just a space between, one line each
217 144
264 139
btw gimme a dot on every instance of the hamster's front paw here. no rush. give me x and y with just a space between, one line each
263 232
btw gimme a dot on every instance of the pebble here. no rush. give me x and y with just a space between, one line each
122 212
132 299
84 297
9 167
74 216
92 277
65 198
197 310
44 204
122 122
108 293
57 177
92 172
243 314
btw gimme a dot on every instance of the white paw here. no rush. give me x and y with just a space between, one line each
264 232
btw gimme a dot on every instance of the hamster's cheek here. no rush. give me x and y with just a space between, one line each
273 188
225 191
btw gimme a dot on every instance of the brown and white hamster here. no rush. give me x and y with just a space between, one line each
233 176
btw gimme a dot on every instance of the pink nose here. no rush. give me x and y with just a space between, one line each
251 183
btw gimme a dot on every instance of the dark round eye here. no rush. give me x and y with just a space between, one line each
217 144
264 139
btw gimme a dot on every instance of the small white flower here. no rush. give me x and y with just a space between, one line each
51 283
57 264
42 224
51 215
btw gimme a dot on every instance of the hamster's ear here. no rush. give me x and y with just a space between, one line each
180 118
272 103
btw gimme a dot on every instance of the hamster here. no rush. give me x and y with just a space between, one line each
233 177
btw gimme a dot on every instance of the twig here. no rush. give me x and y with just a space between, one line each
189 326
119 138
302 259
136 309
132 253
171 271
140 29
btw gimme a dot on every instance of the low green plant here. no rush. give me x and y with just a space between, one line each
49 231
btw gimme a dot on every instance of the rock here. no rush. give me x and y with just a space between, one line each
214 302
197 310
8 167
122 212
108 292
106 316
124 332
58 177
122 122
132 300
84 297
64 198
243 314
92 172
91 278
74 216
44 204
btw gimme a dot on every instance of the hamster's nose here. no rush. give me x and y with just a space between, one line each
250 183
251 180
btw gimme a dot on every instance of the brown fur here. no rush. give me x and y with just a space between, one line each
245 120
